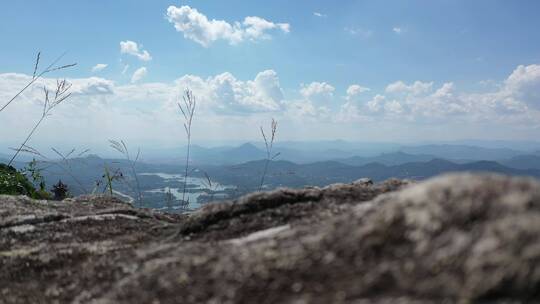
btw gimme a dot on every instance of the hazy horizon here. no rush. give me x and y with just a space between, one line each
313 150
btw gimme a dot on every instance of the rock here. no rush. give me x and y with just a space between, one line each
454 238
284 206
364 181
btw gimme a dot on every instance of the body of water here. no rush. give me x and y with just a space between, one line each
196 187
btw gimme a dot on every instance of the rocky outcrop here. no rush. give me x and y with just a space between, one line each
455 238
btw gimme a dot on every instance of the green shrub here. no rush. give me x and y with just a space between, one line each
13 182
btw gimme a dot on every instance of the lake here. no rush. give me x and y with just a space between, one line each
196 187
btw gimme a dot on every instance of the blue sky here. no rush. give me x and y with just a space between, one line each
465 41
315 50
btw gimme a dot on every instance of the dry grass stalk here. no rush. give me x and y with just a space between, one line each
269 144
122 148
64 164
187 106
51 101
37 75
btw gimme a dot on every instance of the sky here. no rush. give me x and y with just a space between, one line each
392 71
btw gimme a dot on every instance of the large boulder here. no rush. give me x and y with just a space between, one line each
453 238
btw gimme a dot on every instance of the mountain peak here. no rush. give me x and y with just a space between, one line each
248 145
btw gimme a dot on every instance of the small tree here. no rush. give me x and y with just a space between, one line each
60 191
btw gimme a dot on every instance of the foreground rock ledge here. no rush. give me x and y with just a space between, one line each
456 238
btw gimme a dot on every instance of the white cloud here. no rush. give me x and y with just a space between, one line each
302 108
197 27
317 14
417 88
442 103
100 106
349 112
132 48
512 99
318 92
226 94
397 30
257 27
353 109
92 86
446 91
376 104
99 67
138 74
355 90
125 69
515 100
524 85
393 107
361 32
317 101
267 86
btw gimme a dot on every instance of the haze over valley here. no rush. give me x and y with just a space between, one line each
227 172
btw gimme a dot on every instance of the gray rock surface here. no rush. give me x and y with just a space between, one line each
454 238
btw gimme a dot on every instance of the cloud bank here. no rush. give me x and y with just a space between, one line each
148 111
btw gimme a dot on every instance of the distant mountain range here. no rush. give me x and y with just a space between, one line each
243 153
389 159
462 152
356 155
82 173
312 153
285 173
524 162
4 158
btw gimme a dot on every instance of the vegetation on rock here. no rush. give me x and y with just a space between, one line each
13 182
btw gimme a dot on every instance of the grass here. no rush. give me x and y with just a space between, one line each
50 102
61 94
64 164
187 106
110 177
211 187
12 181
122 148
36 75
269 144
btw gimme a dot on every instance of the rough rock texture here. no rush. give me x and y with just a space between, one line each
455 238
